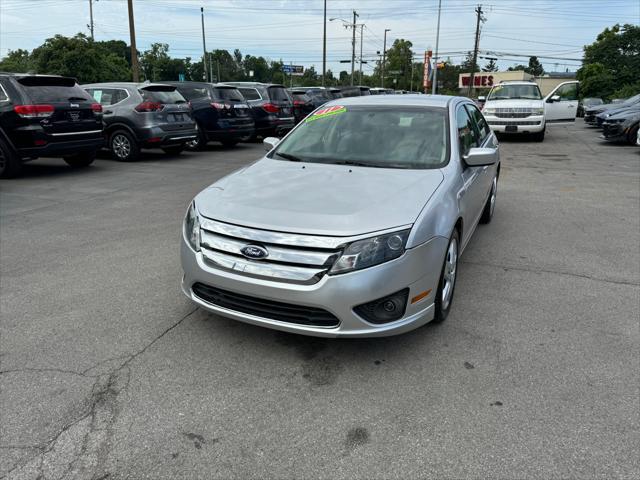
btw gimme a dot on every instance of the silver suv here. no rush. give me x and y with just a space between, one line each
143 115
352 225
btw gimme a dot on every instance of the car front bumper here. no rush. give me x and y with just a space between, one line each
530 124
418 269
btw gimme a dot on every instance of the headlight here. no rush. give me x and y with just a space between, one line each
489 111
192 227
371 251
537 111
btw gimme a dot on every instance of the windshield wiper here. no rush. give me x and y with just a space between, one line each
288 156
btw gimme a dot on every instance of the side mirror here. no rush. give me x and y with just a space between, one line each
480 157
270 143
554 98
482 98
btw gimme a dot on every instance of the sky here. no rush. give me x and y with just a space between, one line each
291 30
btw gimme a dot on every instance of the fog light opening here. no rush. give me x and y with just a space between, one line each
386 309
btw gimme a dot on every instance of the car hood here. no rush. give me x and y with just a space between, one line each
513 103
623 112
318 199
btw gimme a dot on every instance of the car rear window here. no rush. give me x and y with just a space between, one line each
250 93
194 92
228 93
278 93
53 89
319 94
166 95
302 97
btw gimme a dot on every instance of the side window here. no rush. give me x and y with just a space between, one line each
567 92
481 124
3 95
467 135
250 93
118 96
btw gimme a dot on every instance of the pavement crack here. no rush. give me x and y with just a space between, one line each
44 370
525 268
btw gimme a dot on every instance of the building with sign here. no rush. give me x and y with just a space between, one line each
483 81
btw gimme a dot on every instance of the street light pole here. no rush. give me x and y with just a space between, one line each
91 18
384 57
324 44
435 71
353 46
204 47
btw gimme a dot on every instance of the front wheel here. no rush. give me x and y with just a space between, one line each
80 160
632 137
538 136
173 150
447 283
10 164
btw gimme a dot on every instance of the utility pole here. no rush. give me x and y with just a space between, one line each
324 44
353 46
91 18
134 50
210 68
361 39
204 47
435 71
219 79
475 48
384 57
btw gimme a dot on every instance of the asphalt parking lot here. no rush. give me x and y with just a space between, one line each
107 371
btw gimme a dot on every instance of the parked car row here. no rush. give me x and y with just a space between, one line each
619 121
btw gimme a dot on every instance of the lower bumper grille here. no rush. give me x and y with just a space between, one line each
514 122
283 312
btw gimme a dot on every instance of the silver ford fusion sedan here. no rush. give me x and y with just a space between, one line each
352 224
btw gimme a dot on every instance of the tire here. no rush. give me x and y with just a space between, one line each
448 276
124 147
174 149
81 160
10 164
230 142
489 207
200 142
538 136
632 136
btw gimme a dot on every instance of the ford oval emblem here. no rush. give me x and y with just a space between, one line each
255 252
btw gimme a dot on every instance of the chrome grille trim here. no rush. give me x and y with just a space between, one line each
258 269
276 254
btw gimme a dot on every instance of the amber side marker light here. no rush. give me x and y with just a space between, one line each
420 296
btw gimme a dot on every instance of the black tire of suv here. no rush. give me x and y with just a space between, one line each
174 150
10 164
80 160
134 148
230 143
539 136
632 136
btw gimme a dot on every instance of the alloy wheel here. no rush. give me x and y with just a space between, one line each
450 270
121 146
494 191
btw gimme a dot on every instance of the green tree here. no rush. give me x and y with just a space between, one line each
535 67
517 68
259 66
398 59
157 65
596 80
18 61
491 66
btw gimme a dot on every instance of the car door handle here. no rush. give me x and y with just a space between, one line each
107 112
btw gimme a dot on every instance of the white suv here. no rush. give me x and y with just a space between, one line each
518 107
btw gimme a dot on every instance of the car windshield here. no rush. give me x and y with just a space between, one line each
515 92
369 136
632 100
229 93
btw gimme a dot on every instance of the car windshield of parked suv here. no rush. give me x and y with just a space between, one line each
515 92
369 136
162 95
301 97
53 89
319 95
632 100
228 93
192 93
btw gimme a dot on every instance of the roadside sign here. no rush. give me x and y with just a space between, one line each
395 72
426 74
181 77
296 70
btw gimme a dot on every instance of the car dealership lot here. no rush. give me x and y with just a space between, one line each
108 371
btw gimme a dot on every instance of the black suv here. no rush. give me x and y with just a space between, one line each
303 103
220 111
46 116
355 91
272 107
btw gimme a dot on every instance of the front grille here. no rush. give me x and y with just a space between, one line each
259 307
611 129
514 122
513 112
291 258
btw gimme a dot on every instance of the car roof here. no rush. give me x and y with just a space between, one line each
128 84
254 84
409 100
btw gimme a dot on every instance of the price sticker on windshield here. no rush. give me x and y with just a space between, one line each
326 112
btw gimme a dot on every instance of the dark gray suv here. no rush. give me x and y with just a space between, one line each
143 115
